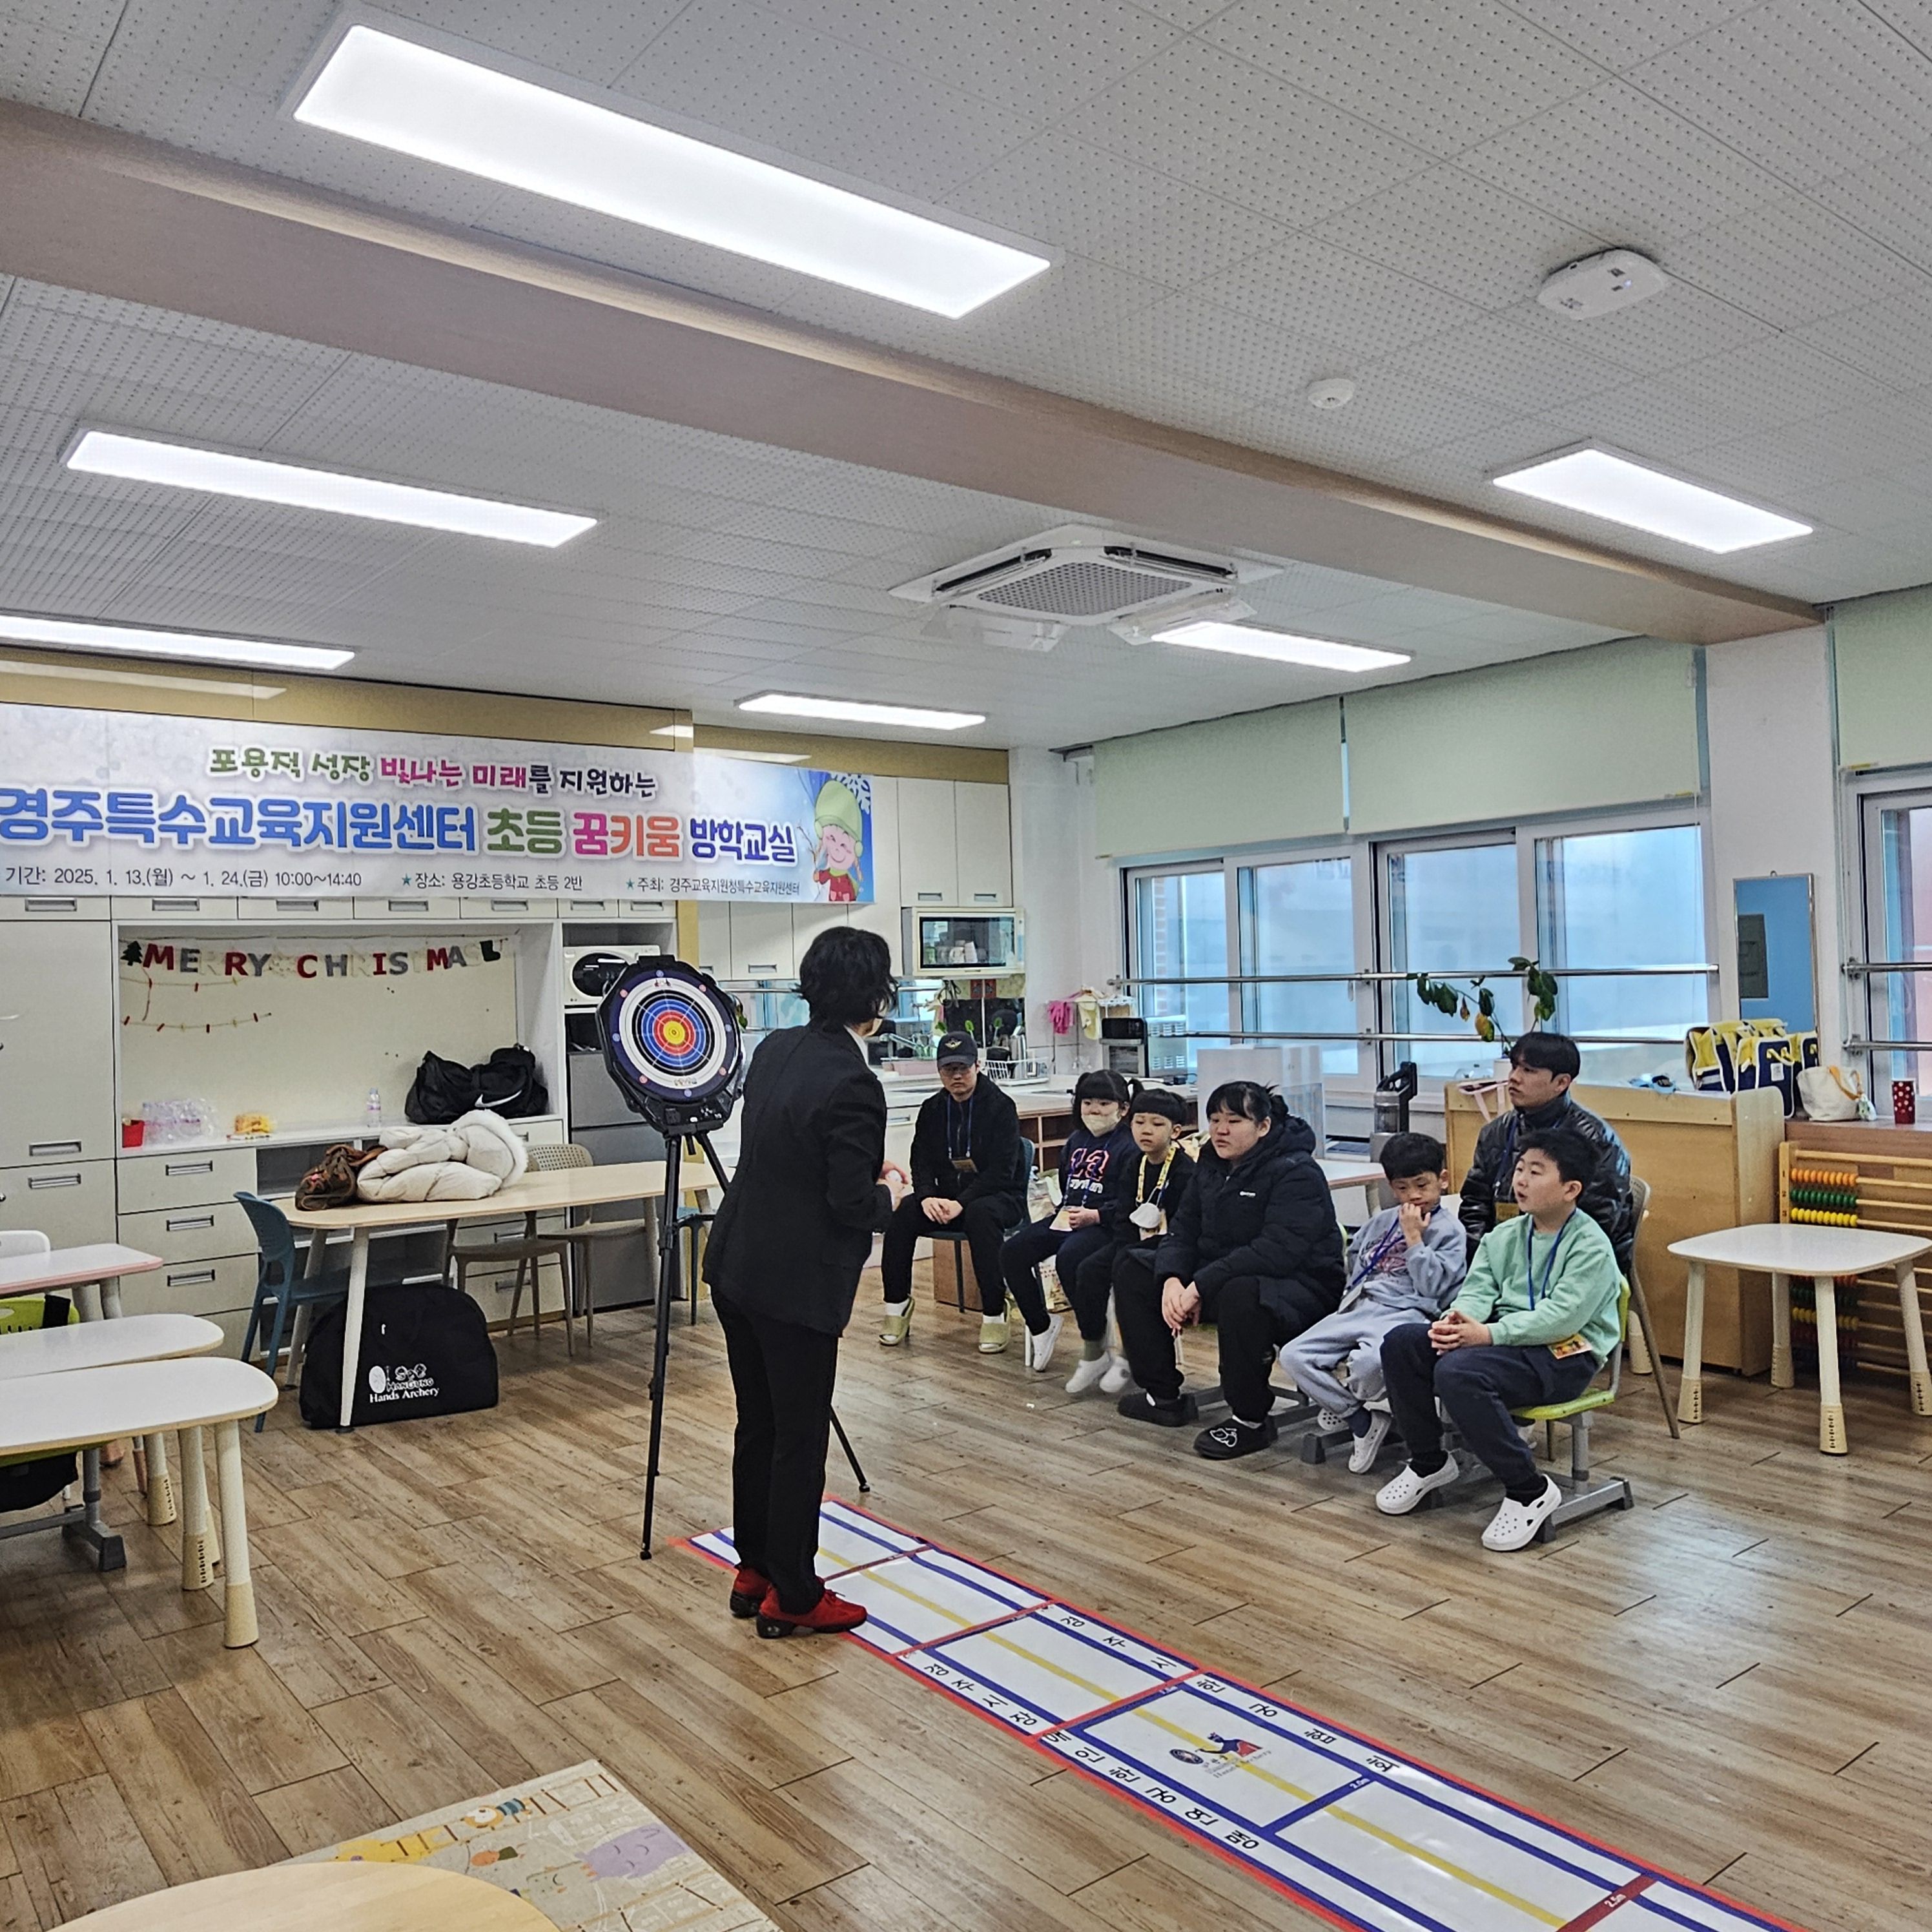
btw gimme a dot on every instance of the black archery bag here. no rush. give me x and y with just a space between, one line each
426 1350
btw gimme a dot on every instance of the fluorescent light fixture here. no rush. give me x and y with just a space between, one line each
147 680
1601 484
851 711
1247 641
416 99
140 459
67 634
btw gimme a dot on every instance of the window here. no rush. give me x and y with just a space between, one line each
1898 928
1608 899
1452 911
1181 932
1299 917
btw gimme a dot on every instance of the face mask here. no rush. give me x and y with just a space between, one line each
1098 1118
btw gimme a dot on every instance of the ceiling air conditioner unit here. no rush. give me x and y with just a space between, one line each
1025 595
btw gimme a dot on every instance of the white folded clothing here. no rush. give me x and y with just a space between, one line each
467 1160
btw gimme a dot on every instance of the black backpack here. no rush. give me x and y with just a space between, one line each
425 1351
507 1083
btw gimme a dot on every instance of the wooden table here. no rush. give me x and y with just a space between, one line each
349 1897
532 1194
1781 1249
101 1264
43 1415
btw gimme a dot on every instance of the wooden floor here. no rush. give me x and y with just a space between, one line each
1732 1680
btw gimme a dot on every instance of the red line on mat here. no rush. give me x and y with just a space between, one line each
1603 1907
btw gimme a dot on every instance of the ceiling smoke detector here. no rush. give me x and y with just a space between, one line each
1602 284
1332 392
1025 595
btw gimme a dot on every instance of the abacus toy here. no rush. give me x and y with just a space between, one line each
1826 1196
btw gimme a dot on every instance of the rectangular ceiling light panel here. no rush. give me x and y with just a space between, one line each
1601 484
1247 641
396 94
851 711
139 459
71 634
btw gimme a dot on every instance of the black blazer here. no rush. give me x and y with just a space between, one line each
994 1147
797 1221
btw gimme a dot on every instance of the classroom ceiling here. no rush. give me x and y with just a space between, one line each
1247 196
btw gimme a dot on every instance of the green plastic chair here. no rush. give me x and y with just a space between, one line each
19 1314
1582 1497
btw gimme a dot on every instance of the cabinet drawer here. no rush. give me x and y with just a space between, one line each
185 1178
173 906
50 905
510 906
71 1202
433 906
299 906
56 1041
589 908
191 1287
198 1233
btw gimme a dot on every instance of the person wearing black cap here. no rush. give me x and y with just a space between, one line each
965 1175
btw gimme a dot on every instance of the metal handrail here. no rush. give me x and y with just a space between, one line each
1858 969
1373 1037
1366 976
1856 1045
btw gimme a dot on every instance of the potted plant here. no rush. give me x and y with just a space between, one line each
1476 1001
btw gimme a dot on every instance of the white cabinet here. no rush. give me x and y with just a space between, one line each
50 905
808 922
762 945
185 1178
985 844
301 906
929 850
714 939
882 915
56 1042
71 1202
173 906
407 906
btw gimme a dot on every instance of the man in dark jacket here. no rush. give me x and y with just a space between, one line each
793 1232
1542 1066
965 1176
1255 1248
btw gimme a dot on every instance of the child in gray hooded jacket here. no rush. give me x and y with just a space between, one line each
1406 1265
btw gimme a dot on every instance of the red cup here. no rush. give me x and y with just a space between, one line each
1904 1104
132 1132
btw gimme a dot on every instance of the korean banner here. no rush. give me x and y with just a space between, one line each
121 801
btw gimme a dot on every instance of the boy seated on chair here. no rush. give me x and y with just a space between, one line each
1406 1260
1536 1319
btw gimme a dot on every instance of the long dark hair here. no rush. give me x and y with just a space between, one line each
846 977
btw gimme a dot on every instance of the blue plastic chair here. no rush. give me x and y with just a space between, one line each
281 1282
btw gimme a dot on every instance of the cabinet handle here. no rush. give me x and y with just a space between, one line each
51 1150
175 905
53 1181
409 905
930 899
190 1279
297 905
755 966
986 898
53 905
172 1167
189 1221
509 905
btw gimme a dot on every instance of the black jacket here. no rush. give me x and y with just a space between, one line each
1607 1195
797 1221
1270 1215
1166 1195
992 1145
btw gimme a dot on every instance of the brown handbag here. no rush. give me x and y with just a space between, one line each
331 1183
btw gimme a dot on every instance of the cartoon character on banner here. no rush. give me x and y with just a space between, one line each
839 820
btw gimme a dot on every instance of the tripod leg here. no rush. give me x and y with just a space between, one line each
667 1287
845 1443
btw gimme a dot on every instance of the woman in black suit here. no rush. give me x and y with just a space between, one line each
793 1232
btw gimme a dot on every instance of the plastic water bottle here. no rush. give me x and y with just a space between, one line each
372 1114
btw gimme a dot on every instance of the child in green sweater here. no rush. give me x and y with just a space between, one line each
1536 1319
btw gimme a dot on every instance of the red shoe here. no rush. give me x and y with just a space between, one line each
829 1613
748 1590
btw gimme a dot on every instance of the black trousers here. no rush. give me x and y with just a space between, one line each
986 1222
1478 1387
1252 1318
782 1376
1089 1286
1024 1253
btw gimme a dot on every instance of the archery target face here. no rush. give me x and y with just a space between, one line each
673 1032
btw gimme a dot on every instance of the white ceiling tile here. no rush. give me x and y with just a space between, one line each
1631 31
1393 410
50 50
1889 202
1783 381
1890 341
1448 77
1502 358
1682 324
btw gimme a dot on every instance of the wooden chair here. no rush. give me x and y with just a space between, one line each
952 1233
1645 1360
580 1236
1581 1496
530 1250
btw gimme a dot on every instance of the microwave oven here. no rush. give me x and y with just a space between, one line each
958 942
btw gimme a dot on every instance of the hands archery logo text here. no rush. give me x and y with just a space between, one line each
403 1382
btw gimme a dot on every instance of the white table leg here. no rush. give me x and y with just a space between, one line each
1782 1374
1831 1409
352 1324
88 1299
197 1561
1914 1324
1691 1383
240 1629
318 1242
110 1298
160 1489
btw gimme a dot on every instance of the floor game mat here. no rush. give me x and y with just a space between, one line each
1353 1832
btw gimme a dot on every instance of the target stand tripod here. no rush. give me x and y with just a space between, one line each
673 1042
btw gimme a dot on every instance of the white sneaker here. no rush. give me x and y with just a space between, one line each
1406 1489
897 1324
1368 1445
1514 1526
1039 1348
993 1335
1090 1375
1328 1422
1118 1377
